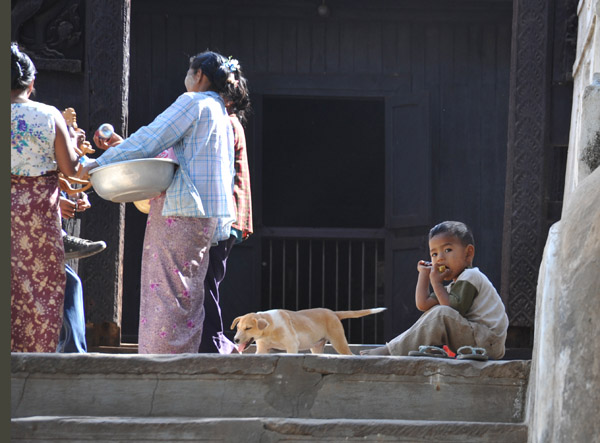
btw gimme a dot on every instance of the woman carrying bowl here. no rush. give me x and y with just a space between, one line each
195 211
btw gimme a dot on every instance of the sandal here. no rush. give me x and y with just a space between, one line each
471 353
429 351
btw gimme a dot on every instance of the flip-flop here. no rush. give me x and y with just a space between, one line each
429 351
471 353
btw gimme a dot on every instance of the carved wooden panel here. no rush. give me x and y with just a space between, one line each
107 66
524 230
51 32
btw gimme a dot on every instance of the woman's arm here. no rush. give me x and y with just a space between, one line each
64 148
166 129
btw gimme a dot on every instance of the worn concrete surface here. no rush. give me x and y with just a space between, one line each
256 429
275 385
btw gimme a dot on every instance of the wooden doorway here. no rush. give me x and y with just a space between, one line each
323 200
439 77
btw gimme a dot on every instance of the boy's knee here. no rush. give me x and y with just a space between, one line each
442 311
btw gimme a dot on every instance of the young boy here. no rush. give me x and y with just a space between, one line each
467 312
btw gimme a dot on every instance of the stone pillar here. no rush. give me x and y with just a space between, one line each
524 214
585 120
564 386
107 66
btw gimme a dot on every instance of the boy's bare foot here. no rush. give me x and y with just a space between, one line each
382 350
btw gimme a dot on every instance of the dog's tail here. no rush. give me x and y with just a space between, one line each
356 314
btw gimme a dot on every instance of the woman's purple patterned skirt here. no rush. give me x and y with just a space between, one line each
174 264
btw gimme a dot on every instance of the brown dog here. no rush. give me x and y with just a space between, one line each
295 331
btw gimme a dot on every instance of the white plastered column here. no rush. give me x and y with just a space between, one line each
585 115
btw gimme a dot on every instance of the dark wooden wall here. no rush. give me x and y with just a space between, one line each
441 67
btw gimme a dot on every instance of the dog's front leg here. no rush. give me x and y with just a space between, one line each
319 347
261 348
292 346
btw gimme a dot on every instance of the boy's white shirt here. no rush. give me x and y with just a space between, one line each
487 308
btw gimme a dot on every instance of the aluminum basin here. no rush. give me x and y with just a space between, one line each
133 180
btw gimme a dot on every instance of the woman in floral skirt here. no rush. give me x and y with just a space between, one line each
195 212
41 145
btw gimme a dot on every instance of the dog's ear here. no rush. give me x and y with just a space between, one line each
235 322
262 323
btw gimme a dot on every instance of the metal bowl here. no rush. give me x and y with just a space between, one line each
133 180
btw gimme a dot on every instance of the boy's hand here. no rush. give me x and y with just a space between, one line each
439 277
424 267
423 300
82 203
80 137
67 208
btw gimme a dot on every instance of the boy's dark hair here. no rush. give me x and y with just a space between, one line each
455 229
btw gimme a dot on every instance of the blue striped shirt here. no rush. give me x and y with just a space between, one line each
198 128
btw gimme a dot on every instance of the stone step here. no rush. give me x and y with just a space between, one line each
258 429
132 348
273 385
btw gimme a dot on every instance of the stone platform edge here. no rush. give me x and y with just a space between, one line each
194 364
264 429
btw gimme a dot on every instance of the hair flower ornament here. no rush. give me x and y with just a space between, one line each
232 64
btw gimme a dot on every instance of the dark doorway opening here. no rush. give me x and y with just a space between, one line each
323 162
323 207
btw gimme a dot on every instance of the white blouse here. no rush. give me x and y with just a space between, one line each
32 137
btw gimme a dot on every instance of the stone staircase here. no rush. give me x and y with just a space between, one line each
265 398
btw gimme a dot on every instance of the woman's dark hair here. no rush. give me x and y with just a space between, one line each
455 229
213 66
237 95
22 70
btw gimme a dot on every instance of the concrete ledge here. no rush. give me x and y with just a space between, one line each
257 429
251 364
274 385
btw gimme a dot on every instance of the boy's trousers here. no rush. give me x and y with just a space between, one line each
443 325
